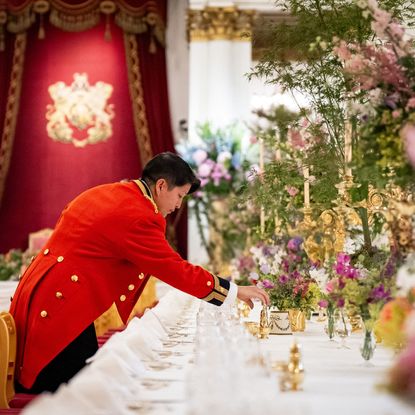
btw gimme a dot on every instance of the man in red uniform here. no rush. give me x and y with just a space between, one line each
106 244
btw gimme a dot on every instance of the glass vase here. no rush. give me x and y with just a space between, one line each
369 345
330 328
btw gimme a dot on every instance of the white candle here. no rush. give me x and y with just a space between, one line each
277 142
261 167
306 174
261 155
348 147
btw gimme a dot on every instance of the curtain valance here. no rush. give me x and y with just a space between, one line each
133 16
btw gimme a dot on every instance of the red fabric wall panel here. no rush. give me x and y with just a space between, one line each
44 174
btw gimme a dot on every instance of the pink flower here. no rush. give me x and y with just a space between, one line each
396 30
323 303
331 285
292 191
342 51
355 64
408 135
205 169
396 114
411 103
199 156
253 139
296 139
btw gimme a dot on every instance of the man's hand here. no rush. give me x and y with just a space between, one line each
248 293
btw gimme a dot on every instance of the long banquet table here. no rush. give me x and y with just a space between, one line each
183 357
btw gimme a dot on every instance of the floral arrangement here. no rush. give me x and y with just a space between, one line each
218 160
12 264
283 270
222 164
382 76
332 280
371 286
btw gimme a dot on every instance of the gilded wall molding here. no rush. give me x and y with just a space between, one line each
142 132
220 23
12 109
65 15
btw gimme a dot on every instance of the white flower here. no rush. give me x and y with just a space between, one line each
405 279
362 4
376 96
353 245
381 241
321 276
224 156
199 156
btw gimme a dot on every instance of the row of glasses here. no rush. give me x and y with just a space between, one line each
228 375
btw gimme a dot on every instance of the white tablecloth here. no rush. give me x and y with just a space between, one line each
337 380
7 289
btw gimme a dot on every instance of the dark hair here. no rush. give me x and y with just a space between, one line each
173 169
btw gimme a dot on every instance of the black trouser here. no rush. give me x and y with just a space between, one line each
66 364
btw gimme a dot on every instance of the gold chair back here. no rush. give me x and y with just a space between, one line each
7 358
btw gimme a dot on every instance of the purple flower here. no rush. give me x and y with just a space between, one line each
340 302
267 250
378 293
283 279
391 100
390 268
343 267
343 258
323 303
295 275
294 243
285 265
267 284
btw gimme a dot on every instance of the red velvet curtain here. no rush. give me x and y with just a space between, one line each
45 175
154 79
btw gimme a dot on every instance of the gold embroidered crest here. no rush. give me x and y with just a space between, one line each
80 114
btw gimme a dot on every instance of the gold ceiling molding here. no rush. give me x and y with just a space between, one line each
220 23
131 15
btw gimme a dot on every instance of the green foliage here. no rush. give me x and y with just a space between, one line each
11 265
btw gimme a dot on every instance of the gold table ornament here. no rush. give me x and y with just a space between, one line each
297 319
293 375
264 327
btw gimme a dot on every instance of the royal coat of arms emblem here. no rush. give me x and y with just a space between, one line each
80 114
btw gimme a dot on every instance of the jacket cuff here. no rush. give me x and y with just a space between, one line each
219 291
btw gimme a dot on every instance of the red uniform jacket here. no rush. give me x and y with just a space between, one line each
106 244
